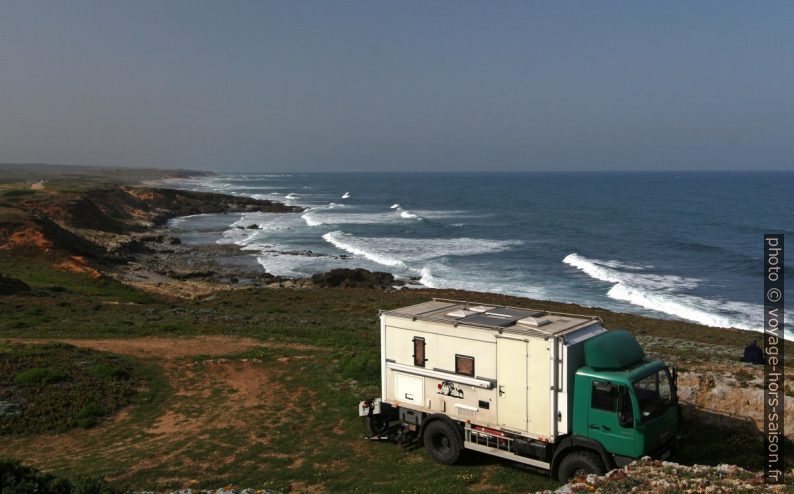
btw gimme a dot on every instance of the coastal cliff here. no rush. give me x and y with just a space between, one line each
95 268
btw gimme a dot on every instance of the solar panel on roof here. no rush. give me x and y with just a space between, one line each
485 320
517 313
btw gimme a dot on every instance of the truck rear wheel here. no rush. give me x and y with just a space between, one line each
443 442
580 463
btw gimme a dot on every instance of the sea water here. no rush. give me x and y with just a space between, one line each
686 246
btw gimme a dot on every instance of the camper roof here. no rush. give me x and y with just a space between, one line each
530 322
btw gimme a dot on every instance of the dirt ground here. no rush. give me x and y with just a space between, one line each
169 349
213 400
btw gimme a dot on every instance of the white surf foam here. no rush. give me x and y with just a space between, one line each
476 278
663 293
397 252
252 239
605 271
404 213
325 216
310 220
291 196
272 196
427 279
346 195
354 246
180 220
282 263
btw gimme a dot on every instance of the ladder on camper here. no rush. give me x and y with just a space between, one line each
495 443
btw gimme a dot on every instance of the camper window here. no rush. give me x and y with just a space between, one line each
464 365
419 352
604 396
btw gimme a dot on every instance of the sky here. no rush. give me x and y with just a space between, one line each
399 85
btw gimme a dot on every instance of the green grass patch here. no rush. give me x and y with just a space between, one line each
8 193
39 272
39 376
55 387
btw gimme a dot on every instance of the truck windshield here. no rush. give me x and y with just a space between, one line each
654 394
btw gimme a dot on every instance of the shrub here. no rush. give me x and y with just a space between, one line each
39 376
88 416
18 478
15 477
111 371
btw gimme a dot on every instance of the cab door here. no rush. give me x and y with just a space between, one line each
605 423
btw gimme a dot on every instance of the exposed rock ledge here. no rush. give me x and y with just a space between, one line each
648 475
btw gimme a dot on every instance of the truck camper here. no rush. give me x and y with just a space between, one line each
550 390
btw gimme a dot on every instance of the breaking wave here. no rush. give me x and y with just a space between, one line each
310 219
663 293
324 215
350 244
400 252
427 279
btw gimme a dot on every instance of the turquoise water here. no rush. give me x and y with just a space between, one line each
678 245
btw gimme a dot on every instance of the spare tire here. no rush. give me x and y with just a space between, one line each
376 425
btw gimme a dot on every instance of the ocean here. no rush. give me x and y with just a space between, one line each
684 246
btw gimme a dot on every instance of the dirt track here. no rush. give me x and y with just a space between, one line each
212 402
170 348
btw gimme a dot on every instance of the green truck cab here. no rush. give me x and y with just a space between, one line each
623 402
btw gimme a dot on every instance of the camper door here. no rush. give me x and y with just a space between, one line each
511 379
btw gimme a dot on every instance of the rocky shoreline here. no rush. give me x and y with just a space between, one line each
159 262
118 231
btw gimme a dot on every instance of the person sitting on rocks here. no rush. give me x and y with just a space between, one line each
753 354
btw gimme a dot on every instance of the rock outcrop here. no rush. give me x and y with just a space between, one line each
353 278
648 475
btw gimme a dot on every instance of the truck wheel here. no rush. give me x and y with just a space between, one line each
580 463
443 442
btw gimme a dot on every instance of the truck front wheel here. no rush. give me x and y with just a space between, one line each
580 463
443 442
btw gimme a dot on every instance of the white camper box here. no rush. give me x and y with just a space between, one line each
485 365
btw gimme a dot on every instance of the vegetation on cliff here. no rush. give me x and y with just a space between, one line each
255 386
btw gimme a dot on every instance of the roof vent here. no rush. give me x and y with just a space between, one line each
534 322
480 308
